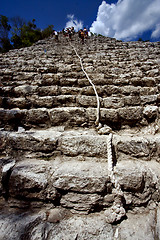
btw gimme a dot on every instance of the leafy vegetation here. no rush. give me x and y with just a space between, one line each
22 34
4 34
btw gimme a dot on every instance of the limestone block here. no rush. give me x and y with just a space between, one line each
50 79
149 91
85 144
109 115
37 116
113 102
80 202
71 116
13 117
153 73
136 81
131 178
65 100
132 100
23 76
148 99
70 90
80 177
83 82
68 82
25 90
130 90
48 90
34 142
40 102
6 91
130 113
88 90
91 114
109 90
87 101
31 181
134 147
148 81
19 102
92 226
150 112
49 68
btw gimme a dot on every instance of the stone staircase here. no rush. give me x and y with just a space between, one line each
54 171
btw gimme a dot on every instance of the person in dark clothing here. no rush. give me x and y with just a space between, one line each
82 35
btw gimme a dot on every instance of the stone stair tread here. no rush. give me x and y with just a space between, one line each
87 143
83 177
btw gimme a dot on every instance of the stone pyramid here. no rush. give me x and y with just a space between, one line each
63 176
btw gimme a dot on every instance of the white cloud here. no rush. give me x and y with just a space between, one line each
127 19
156 32
73 22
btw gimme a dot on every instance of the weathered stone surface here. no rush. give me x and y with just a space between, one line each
150 111
38 116
24 90
131 179
136 148
86 101
37 141
82 177
11 119
18 226
48 91
113 102
149 99
130 113
54 215
144 227
89 145
81 202
68 116
31 182
41 102
93 226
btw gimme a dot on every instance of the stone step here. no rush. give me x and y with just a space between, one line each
77 116
80 144
71 97
83 187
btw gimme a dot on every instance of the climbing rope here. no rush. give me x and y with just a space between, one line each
110 165
109 153
97 122
109 138
117 210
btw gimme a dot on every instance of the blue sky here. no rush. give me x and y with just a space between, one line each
122 19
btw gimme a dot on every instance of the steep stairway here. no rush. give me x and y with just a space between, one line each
58 168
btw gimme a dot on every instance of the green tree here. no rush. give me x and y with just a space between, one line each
5 27
47 31
24 35
17 24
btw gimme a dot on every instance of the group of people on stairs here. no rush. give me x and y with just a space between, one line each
69 32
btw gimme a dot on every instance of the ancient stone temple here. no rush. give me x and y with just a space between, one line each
70 169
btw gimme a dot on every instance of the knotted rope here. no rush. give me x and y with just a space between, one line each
118 205
111 167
